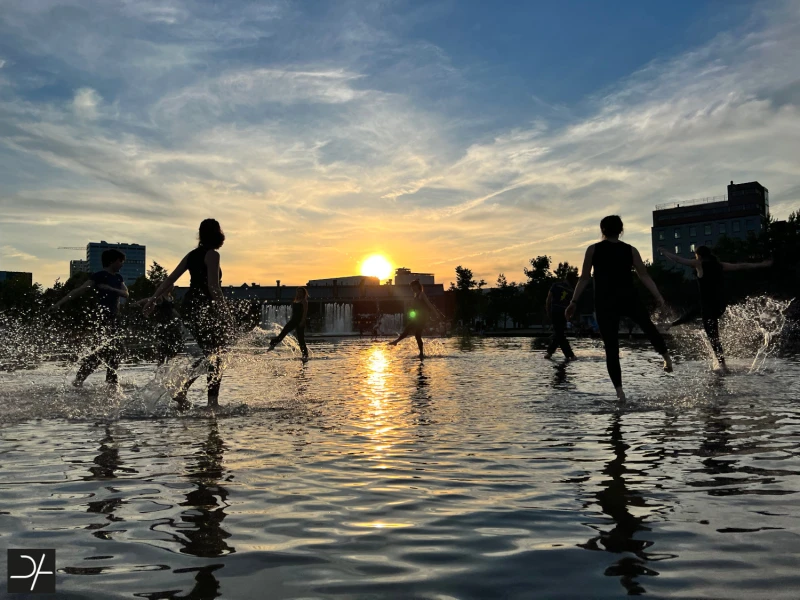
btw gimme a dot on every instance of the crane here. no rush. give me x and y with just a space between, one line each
71 248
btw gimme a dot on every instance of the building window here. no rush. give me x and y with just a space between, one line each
707 229
722 229
751 225
677 249
692 231
692 248
736 226
661 236
677 234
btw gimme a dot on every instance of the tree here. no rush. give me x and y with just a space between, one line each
467 295
538 285
564 269
156 274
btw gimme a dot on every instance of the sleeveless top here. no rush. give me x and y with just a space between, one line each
198 271
712 289
613 276
297 311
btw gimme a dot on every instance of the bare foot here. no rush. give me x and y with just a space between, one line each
667 363
620 395
548 356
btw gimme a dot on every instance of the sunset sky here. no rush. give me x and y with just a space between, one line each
436 134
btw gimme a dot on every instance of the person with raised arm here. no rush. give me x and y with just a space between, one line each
204 308
613 262
110 287
297 322
713 301
422 309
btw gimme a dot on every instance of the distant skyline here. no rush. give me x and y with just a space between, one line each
435 134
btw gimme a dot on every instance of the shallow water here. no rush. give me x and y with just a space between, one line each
483 471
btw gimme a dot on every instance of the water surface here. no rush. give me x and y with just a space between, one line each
483 471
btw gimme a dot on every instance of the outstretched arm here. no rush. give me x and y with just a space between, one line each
746 266
648 282
431 307
677 259
170 280
586 277
78 291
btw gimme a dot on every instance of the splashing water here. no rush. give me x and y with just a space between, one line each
750 329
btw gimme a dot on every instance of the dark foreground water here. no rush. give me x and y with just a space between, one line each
482 472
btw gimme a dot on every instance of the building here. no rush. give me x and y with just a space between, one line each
403 276
78 266
680 227
16 276
135 259
352 280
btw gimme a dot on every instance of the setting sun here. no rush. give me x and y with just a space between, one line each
376 266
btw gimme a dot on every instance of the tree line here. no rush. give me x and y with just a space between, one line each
522 304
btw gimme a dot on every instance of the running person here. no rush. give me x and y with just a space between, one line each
556 304
713 301
169 337
615 296
422 309
204 308
297 322
110 288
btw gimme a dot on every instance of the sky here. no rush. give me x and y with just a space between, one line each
436 133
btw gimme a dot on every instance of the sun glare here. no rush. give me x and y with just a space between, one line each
376 266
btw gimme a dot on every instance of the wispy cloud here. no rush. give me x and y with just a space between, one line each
318 142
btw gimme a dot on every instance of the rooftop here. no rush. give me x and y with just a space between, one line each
693 202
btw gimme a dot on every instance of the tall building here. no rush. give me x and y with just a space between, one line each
78 266
135 259
403 276
680 227
17 276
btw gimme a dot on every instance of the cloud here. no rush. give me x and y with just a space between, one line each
11 252
85 103
318 141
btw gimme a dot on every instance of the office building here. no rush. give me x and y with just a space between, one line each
135 259
680 227
78 266
403 276
16 276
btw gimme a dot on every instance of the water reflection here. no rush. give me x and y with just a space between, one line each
201 523
615 500
200 531
105 466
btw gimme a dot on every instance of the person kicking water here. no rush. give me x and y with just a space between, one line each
615 297
556 306
713 301
204 308
297 322
110 287
422 309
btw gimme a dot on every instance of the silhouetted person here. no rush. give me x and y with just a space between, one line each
713 301
558 300
110 287
297 322
169 337
422 309
615 296
204 308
